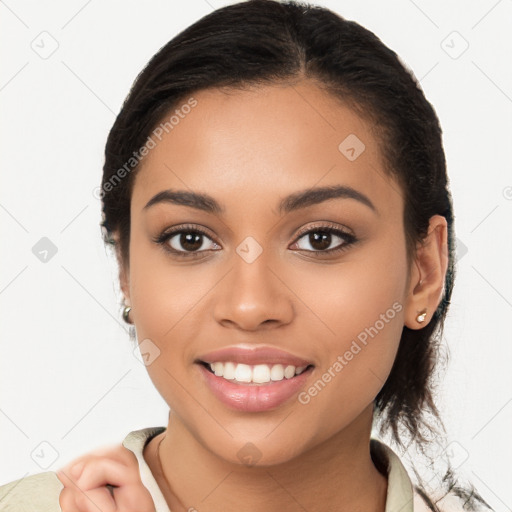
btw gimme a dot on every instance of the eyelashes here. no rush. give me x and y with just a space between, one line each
196 232
192 241
324 235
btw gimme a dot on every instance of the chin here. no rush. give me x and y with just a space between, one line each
250 453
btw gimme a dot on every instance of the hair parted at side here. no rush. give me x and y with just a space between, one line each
261 42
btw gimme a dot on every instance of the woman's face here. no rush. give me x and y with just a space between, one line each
296 257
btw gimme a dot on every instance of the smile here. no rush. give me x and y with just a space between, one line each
253 378
256 374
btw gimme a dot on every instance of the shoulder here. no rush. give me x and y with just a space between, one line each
446 502
402 494
41 492
136 441
35 493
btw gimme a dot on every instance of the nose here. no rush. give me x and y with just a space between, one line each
253 297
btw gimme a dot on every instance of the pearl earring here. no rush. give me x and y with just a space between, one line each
421 316
126 312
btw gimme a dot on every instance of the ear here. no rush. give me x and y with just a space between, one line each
428 273
124 271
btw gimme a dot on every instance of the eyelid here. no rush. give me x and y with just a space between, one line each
324 225
185 228
163 238
344 233
334 228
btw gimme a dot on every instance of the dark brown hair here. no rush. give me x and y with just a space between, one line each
263 42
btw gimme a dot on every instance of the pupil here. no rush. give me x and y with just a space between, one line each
191 241
320 240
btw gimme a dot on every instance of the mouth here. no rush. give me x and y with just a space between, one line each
259 374
253 379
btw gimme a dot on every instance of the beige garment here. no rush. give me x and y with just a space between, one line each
40 493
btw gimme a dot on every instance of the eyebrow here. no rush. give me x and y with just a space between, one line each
196 200
312 196
293 202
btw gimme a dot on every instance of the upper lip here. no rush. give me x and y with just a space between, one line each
253 356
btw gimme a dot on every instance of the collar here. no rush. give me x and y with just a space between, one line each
400 495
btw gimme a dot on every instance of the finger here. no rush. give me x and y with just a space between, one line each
78 497
75 500
133 498
67 501
96 500
62 475
101 472
128 498
66 477
117 453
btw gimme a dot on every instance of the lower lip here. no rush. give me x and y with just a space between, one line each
254 397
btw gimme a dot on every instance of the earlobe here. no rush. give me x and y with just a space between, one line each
428 275
124 284
125 288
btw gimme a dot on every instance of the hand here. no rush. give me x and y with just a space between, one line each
106 480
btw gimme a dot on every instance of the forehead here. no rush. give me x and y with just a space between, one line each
262 143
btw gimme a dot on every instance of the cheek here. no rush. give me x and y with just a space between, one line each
164 298
168 310
361 310
345 299
163 293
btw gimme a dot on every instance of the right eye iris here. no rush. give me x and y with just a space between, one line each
189 241
320 240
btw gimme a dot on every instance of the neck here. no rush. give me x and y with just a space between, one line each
339 470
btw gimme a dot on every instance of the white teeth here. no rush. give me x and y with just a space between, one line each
229 371
217 369
259 374
277 372
243 373
289 372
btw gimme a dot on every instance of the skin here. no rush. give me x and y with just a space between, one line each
249 149
85 483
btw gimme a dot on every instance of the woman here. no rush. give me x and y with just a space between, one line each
276 193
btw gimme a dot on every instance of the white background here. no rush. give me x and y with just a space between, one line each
68 376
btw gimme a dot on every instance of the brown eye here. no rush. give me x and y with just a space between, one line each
320 240
323 240
190 241
187 241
